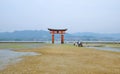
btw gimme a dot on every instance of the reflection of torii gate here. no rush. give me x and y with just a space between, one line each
57 31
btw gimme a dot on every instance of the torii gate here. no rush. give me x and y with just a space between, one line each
57 31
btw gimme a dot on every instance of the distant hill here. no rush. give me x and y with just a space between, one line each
98 36
27 35
40 35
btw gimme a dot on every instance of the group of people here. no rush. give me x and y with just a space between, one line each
78 44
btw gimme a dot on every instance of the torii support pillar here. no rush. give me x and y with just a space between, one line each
57 31
62 39
52 38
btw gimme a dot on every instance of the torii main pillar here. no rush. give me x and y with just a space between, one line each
57 31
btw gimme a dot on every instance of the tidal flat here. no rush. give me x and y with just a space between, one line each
66 59
20 45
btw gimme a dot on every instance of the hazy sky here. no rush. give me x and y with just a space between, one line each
101 16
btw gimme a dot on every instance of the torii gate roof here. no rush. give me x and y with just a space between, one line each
57 29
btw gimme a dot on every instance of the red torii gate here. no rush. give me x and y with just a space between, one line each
57 31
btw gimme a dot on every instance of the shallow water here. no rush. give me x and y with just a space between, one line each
8 56
106 48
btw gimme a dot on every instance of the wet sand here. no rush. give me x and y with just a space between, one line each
66 59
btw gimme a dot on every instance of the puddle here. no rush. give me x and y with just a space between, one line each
8 57
106 48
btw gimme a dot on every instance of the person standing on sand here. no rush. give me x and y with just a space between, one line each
81 45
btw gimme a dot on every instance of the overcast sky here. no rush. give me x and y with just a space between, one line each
99 16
